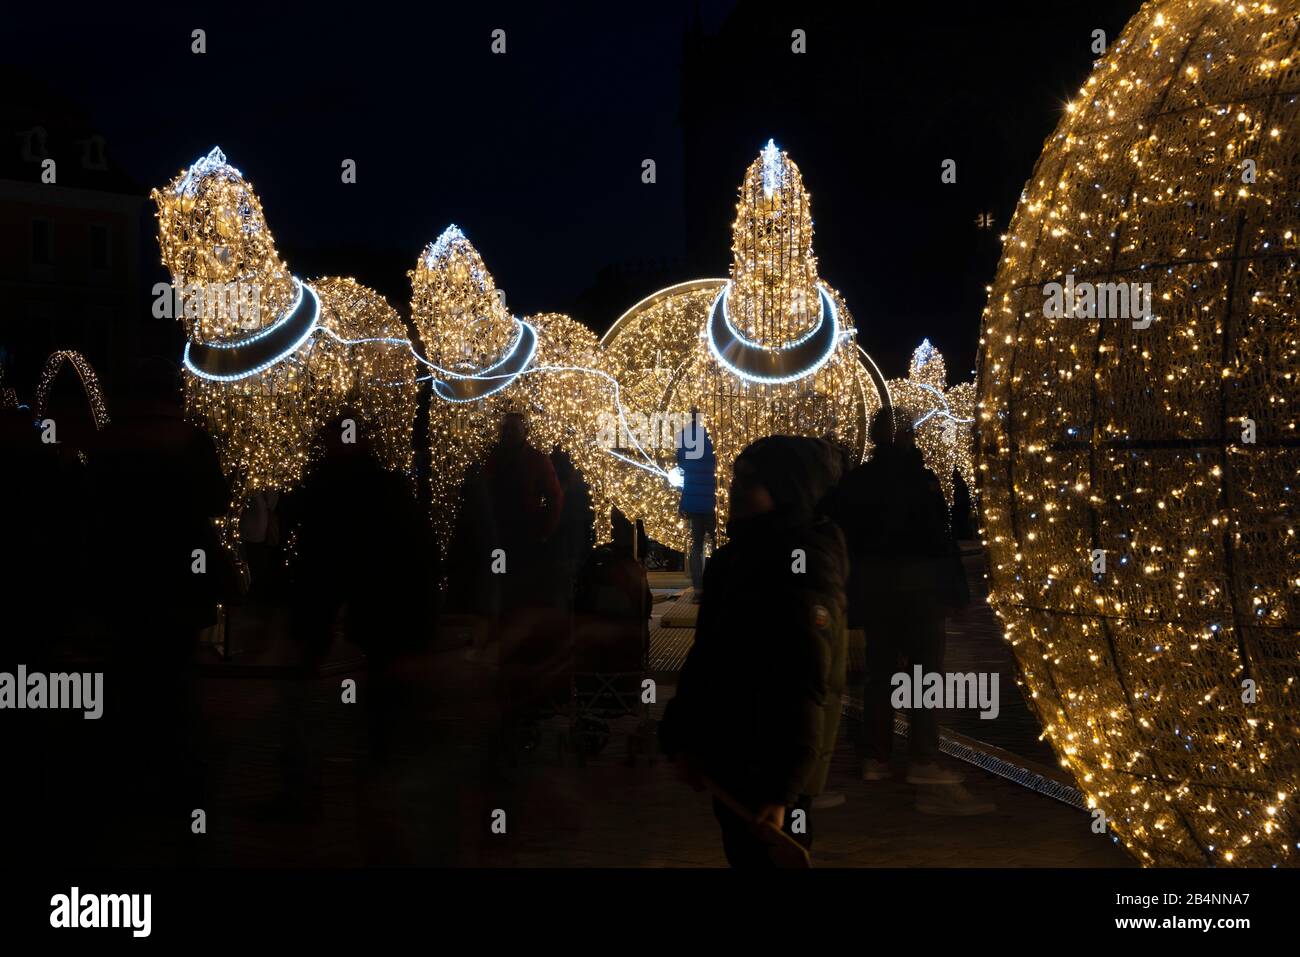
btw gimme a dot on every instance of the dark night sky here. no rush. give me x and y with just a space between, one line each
537 154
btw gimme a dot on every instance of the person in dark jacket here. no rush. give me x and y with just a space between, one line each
758 703
575 536
698 464
471 586
904 575
366 560
527 503
157 485
363 550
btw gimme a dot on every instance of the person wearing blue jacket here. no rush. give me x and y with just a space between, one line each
698 466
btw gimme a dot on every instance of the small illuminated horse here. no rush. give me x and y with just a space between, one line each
483 362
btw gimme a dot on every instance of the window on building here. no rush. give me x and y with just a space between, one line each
92 153
99 247
34 149
42 242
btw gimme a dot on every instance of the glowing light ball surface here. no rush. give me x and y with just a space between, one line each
1165 444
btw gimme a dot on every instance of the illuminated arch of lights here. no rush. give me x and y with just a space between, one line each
89 384
8 395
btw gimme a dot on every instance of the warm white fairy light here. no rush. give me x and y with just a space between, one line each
945 424
89 384
1164 449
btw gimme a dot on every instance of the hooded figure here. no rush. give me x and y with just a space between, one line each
758 703
905 572
699 465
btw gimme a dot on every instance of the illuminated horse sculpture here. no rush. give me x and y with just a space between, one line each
486 362
270 358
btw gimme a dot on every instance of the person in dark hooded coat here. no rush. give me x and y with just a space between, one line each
758 701
905 574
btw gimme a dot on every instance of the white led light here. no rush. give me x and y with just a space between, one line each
307 334
202 167
773 169
946 411
487 376
828 313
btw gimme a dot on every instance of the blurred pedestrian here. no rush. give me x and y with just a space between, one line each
574 537
758 703
158 486
905 574
527 503
366 565
259 540
698 465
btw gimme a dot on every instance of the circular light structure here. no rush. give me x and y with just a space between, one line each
768 350
1138 455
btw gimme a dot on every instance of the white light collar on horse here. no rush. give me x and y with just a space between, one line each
479 385
241 358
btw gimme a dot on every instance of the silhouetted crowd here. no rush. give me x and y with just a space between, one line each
104 529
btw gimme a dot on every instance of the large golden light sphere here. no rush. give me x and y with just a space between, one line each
1164 445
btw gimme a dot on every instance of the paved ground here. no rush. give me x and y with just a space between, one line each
432 801
975 643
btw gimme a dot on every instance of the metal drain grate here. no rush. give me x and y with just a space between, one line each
1002 763
669 647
